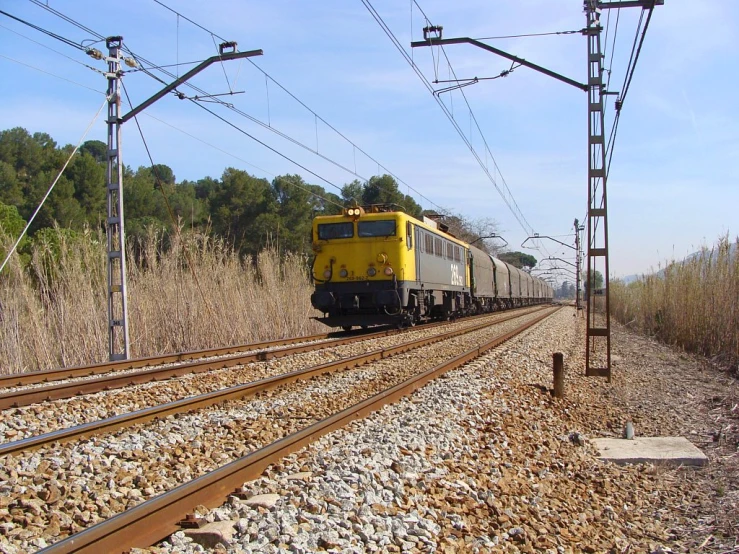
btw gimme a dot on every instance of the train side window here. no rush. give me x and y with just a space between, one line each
457 256
449 251
438 247
428 239
409 235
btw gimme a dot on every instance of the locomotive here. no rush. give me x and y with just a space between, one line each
375 265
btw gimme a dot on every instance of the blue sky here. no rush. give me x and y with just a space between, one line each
673 182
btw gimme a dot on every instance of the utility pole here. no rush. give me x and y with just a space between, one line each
118 337
598 346
577 265
598 360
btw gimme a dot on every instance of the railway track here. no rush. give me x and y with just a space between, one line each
231 393
165 505
112 375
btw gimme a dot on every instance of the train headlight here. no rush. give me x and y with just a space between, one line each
343 273
327 274
388 271
371 272
350 212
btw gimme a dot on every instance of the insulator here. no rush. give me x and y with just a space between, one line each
130 62
94 53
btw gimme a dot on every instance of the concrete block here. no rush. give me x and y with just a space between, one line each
669 450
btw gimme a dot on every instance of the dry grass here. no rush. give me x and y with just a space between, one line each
694 305
53 312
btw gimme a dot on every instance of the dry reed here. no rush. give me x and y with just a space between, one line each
693 304
53 312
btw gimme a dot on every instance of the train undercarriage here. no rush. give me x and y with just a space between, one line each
371 303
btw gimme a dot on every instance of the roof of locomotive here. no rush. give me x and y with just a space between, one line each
385 215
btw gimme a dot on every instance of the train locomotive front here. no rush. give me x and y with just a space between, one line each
368 266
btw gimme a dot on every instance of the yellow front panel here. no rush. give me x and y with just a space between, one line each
357 254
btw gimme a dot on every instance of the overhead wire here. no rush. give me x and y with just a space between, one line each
313 112
430 88
95 69
629 75
60 38
175 224
231 154
51 74
530 34
146 71
514 208
203 92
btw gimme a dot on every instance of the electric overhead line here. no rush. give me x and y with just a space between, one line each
175 225
520 218
51 74
231 154
515 209
527 35
95 69
46 32
140 60
629 75
313 112
99 36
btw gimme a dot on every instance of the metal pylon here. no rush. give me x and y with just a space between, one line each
118 341
598 348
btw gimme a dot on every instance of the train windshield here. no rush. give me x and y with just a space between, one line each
328 231
377 228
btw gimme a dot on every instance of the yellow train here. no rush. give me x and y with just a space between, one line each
374 265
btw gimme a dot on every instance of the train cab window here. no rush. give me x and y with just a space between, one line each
327 231
377 228
409 235
438 247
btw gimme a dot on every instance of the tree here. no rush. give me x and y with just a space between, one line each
384 190
244 209
296 205
352 193
11 226
519 259
97 149
88 179
597 280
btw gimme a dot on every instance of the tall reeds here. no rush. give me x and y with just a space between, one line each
693 304
193 293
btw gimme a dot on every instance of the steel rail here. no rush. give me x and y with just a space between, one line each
47 375
155 519
231 393
26 397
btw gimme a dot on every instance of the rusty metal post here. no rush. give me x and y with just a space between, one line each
559 375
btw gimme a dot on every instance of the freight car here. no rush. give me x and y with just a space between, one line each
374 265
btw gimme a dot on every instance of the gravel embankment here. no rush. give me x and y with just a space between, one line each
484 460
60 490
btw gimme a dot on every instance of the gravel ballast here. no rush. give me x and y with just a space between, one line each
481 460
485 460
